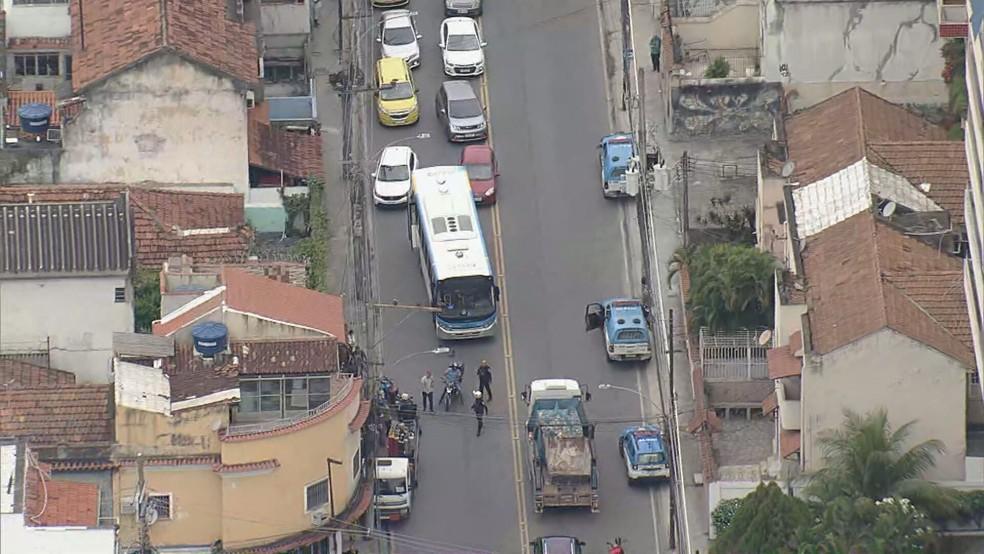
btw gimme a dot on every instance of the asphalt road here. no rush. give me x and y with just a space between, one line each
564 246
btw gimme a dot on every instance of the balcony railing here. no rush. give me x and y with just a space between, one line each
339 393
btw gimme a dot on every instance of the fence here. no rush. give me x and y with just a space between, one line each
337 396
735 356
36 352
696 8
742 62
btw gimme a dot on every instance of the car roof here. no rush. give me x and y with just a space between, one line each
625 307
476 153
461 25
558 545
459 90
395 155
647 438
393 69
617 147
395 14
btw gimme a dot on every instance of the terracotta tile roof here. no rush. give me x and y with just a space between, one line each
796 342
782 363
202 460
17 98
272 463
112 35
831 135
39 43
271 299
942 164
58 502
73 415
360 417
80 465
17 373
296 154
789 443
257 357
191 377
864 276
771 403
165 224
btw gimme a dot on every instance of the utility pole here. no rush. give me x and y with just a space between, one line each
142 507
669 417
643 139
685 216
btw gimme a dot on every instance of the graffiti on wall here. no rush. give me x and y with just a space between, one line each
725 108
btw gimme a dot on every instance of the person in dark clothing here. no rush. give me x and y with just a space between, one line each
655 44
485 379
480 410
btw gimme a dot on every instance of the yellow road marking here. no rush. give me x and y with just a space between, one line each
507 353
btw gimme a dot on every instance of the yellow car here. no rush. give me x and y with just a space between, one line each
396 97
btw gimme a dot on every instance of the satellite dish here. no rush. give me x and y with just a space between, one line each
925 187
765 337
889 208
151 516
788 168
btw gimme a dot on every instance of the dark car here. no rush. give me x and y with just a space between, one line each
460 111
556 545
479 160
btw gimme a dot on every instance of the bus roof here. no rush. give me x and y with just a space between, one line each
450 223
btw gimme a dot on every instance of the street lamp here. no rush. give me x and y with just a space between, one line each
639 393
331 493
435 351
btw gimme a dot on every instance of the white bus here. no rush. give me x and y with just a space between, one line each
447 235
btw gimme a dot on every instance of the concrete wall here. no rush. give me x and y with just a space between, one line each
243 326
20 165
788 320
888 370
18 537
189 432
769 232
37 21
265 504
735 26
830 46
77 313
285 19
196 504
724 106
165 120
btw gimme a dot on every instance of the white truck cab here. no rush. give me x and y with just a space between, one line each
393 496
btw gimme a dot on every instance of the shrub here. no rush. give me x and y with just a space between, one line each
725 512
718 69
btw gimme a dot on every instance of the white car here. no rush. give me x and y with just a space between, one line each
398 36
462 46
391 180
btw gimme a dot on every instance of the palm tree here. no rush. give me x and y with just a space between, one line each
865 457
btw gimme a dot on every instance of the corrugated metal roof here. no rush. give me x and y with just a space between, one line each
69 238
143 345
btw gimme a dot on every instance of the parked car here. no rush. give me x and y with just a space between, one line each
398 36
460 112
557 545
391 180
461 44
396 96
645 453
469 8
389 3
479 161
619 165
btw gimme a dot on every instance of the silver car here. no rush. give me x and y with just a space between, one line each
461 112
469 8
398 36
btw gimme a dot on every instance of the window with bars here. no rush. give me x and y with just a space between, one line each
161 503
36 64
357 464
316 495
284 71
119 295
282 396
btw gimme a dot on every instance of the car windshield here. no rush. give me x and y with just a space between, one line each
396 91
465 108
393 173
466 298
391 486
462 43
631 335
479 172
398 36
655 458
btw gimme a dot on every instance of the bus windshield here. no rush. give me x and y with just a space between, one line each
466 298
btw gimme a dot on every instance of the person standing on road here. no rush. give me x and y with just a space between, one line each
485 379
427 391
655 44
480 410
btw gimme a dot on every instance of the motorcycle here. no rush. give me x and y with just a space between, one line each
452 385
616 547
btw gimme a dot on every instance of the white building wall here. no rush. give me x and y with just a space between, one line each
974 198
17 538
165 121
40 20
77 314
888 370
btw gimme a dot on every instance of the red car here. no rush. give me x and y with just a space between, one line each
479 160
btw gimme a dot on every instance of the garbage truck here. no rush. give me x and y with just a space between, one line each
563 470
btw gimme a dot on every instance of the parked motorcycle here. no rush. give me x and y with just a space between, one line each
616 546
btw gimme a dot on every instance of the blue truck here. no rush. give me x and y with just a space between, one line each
645 453
626 326
619 162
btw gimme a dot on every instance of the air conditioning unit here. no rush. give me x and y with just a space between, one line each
319 517
54 135
250 99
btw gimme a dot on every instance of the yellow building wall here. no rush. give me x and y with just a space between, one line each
191 432
196 504
264 504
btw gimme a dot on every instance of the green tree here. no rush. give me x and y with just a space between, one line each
147 299
719 68
862 525
730 285
867 458
724 513
767 521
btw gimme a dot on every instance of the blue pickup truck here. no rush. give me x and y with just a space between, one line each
626 326
645 453
619 165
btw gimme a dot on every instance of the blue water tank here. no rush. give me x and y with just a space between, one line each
34 118
210 338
